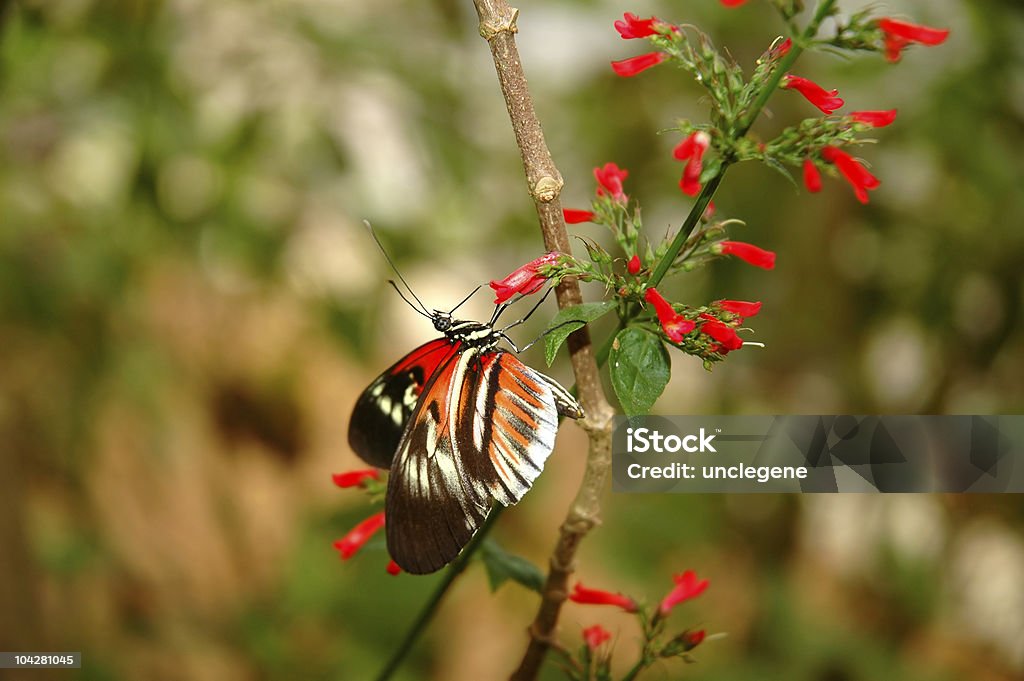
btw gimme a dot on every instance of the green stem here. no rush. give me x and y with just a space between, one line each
709 189
431 606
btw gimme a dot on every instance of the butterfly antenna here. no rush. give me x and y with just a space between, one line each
407 301
471 293
422 308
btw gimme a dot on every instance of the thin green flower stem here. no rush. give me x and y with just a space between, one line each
431 606
709 189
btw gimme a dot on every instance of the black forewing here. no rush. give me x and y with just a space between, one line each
481 432
383 410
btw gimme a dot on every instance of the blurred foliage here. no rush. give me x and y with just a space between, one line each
189 306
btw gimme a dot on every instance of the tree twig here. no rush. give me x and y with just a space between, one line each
498 28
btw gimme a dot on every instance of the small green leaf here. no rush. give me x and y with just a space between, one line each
567 321
503 566
640 368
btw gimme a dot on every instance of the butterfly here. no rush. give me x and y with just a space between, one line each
461 423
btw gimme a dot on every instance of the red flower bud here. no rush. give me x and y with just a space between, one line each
826 100
733 3
749 253
900 34
739 307
596 635
524 280
687 587
355 478
574 216
581 594
609 179
876 119
353 541
633 266
635 27
855 173
393 568
812 178
692 639
634 65
781 50
672 323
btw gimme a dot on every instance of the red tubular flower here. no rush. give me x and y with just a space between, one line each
673 324
876 119
721 332
687 587
609 179
812 178
742 308
635 27
353 541
856 174
826 100
748 253
900 34
575 216
692 639
733 3
393 568
355 478
634 65
524 280
596 635
633 266
581 594
692 151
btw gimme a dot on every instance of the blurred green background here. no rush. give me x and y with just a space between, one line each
189 307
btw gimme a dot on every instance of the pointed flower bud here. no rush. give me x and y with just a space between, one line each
633 266
524 280
393 568
581 594
742 308
356 478
748 253
575 216
876 119
360 534
826 100
634 65
812 177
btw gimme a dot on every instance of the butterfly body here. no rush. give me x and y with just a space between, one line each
461 423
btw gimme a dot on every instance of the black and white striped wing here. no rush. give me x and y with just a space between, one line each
482 431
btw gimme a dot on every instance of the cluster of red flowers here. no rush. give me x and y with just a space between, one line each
895 35
687 587
676 326
357 537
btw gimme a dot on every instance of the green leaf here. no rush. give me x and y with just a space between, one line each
640 368
567 321
503 566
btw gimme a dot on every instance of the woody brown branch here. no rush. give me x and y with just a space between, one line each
498 28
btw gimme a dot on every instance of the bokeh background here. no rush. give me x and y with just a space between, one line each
189 307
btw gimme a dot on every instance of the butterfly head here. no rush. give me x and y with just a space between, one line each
442 320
